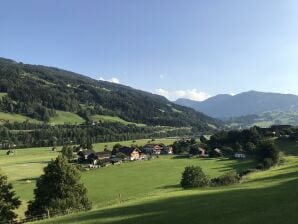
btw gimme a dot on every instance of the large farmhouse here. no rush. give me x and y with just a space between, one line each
90 156
152 149
131 152
85 154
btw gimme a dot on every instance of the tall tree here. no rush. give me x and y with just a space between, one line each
59 190
67 151
8 201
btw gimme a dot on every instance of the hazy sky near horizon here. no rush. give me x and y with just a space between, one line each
187 48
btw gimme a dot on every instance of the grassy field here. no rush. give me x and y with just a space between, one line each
107 118
270 196
149 192
63 117
15 118
26 165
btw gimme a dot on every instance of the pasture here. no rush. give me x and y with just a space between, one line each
25 165
63 117
149 191
106 118
269 196
15 118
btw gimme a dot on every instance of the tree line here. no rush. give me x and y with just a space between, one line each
22 135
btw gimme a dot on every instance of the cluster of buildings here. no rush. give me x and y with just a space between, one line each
216 152
89 156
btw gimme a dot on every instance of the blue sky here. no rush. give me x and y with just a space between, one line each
187 48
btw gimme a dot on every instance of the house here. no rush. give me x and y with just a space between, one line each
216 153
152 149
116 161
106 154
167 150
202 152
131 152
85 154
240 155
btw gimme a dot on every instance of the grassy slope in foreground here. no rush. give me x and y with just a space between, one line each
270 196
267 197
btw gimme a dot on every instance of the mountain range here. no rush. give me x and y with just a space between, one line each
225 106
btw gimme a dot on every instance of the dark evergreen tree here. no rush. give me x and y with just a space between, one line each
8 201
58 190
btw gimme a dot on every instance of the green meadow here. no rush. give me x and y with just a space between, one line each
63 117
25 165
149 191
15 118
106 118
264 197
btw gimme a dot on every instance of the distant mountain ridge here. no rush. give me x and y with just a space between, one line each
226 106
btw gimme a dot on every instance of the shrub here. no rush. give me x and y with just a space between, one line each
229 178
267 149
268 163
193 176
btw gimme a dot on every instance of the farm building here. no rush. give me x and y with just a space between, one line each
106 154
202 152
152 149
215 153
131 152
85 154
240 155
167 150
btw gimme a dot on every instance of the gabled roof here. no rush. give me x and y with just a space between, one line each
86 152
127 150
150 145
104 153
217 150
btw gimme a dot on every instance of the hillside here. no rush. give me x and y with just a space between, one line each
247 103
155 196
44 93
265 119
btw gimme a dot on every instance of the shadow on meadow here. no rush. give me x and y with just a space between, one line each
276 204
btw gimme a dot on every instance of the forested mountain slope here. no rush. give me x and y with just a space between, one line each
39 91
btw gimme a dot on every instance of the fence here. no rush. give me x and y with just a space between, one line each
47 215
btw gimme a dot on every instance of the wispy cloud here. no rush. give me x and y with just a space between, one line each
192 94
113 80
163 76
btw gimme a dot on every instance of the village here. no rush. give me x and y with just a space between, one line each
121 154
91 159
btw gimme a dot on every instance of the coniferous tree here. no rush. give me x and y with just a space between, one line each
59 190
8 201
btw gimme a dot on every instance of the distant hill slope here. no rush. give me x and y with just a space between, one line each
38 92
247 103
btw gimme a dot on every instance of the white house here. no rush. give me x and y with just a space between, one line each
240 155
